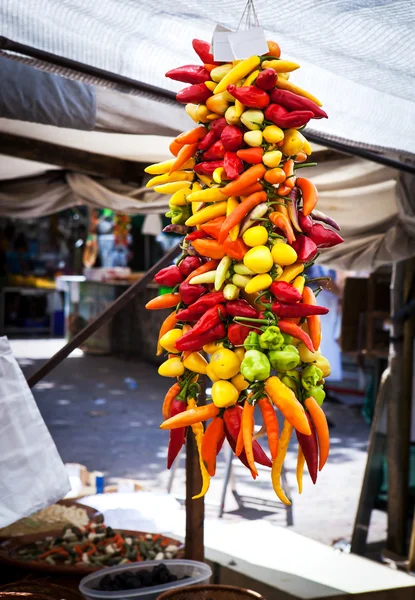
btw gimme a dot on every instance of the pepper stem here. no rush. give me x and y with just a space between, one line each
302 165
250 320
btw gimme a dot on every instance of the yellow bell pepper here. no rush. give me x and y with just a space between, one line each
206 214
238 72
299 283
259 259
225 363
173 367
166 165
218 175
199 432
283 254
171 188
255 236
221 272
291 272
258 283
224 394
219 103
273 134
253 138
231 291
196 363
291 87
231 205
218 73
179 198
251 78
240 382
169 339
293 142
212 194
272 159
280 66
252 119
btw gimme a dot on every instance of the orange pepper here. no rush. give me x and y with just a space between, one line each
164 301
282 221
240 212
289 173
209 248
309 194
284 399
252 156
212 227
276 175
313 322
209 67
273 49
209 266
168 324
168 399
183 156
247 178
301 157
175 147
322 429
247 427
235 249
192 136
191 416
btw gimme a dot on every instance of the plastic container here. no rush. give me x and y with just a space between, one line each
197 573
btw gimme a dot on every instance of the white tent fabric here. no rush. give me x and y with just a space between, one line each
358 57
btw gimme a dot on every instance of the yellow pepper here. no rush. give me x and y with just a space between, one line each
199 432
251 78
299 283
255 236
212 347
240 353
210 195
218 73
206 214
212 117
231 291
238 72
240 382
273 134
231 205
283 254
221 271
167 178
258 283
224 394
231 115
196 363
293 142
252 119
280 66
218 103
240 269
307 356
171 188
211 374
169 339
283 84
307 147
179 198
253 138
259 259
291 272
322 363
300 469
206 180
197 112
218 174
225 363
208 277
272 159
166 165
173 367
279 460
241 281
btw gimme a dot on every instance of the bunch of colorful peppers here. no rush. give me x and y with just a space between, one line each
122 225
240 291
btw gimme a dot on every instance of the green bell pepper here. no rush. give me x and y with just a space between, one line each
255 366
252 341
272 338
310 376
318 393
292 380
288 339
285 359
179 214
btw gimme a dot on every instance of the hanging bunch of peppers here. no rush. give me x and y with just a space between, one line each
121 229
240 289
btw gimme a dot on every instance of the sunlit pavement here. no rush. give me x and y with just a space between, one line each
104 412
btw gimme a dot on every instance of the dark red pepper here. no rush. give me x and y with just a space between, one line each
249 95
309 446
281 117
324 237
193 342
285 292
189 264
196 235
241 308
215 152
197 94
218 125
208 140
306 223
211 317
190 293
196 310
233 165
238 333
305 247
232 418
202 49
169 276
266 80
207 167
232 138
292 101
177 436
293 311
189 74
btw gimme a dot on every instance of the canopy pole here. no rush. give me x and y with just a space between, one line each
105 316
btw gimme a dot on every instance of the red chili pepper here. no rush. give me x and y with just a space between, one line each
208 140
305 247
285 292
281 117
296 331
189 74
306 223
215 152
292 101
238 333
189 264
323 237
197 94
177 436
195 235
202 49
193 342
170 276
266 80
196 310
241 308
293 311
211 317
249 95
218 125
207 167
233 165
190 293
309 446
232 138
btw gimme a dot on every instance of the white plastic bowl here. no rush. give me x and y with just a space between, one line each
197 573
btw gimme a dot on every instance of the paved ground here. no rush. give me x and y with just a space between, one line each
96 419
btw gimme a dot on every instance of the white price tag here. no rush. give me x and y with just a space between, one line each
248 43
221 48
